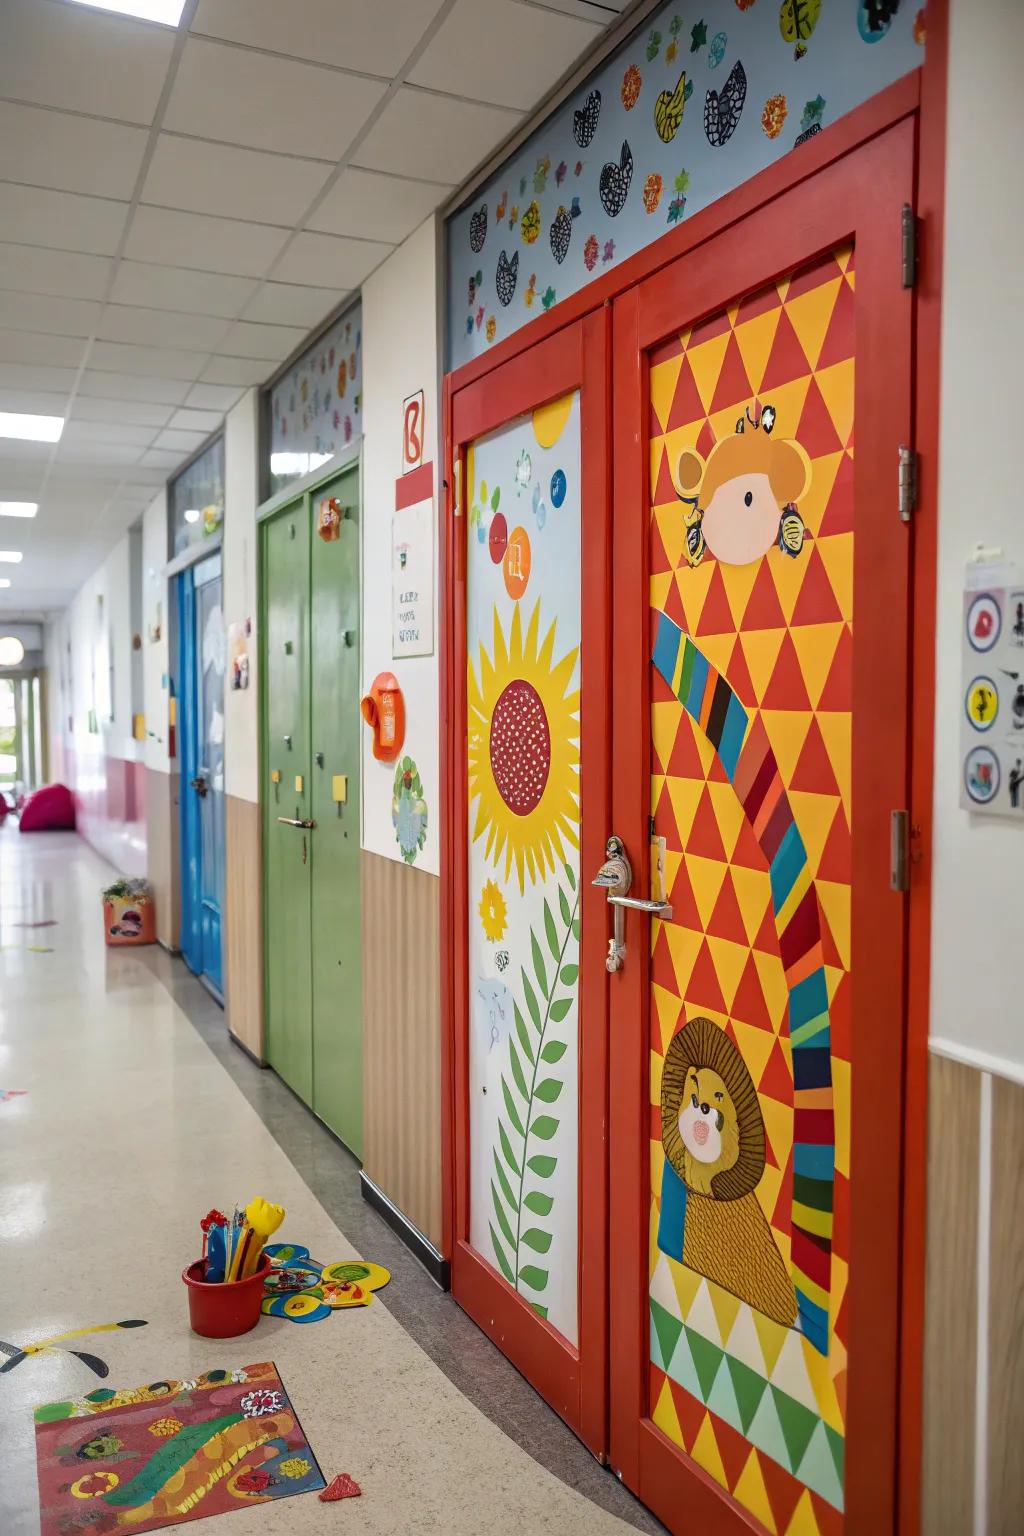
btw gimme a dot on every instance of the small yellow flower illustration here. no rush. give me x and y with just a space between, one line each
493 912
165 1428
296 1466
531 223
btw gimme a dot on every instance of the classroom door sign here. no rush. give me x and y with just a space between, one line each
992 692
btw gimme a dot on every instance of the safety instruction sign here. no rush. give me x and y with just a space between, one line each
992 692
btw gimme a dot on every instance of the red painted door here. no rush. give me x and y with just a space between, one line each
762 392
527 775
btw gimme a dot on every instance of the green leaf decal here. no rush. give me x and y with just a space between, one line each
506 1147
576 929
524 1034
505 1266
531 1001
506 1187
535 1278
517 1071
542 1165
564 907
561 1008
496 497
544 1126
513 1113
539 1204
540 1311
552 934
538 965
554 1051
548 1090
503 1222
569 974
534 1238
570 877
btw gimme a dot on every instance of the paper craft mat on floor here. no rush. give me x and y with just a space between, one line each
158 1455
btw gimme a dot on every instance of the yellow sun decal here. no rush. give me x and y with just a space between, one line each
523 750
493 912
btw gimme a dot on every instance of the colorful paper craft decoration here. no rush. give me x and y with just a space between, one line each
343 1487
173 1451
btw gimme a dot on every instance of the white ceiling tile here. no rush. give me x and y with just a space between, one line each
107 455
76 154
29 347
376 207
38 270
100 384
518 52
200 293
160 328
286 304
181 442
134 412
376 39
433 137
42 312
21 376
225 93
210 245
212 397
26 451
241 371
160 362
330 261
232 182
196 421
262 341
34 402
61 220
82 61
159 458
80 431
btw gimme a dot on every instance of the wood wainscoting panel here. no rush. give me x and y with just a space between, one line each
163 853
402 1038
1006 1313
951 1306
243 923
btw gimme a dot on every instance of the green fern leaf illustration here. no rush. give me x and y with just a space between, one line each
513 1113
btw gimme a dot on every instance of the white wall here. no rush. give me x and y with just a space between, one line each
241 726
977 1004
400 356
155 617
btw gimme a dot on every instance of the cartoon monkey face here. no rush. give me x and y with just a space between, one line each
746 493
707 1120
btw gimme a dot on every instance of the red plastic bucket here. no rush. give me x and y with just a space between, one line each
224 1311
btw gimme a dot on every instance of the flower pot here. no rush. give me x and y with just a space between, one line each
226 1310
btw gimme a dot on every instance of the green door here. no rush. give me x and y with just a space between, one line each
286 780
334 776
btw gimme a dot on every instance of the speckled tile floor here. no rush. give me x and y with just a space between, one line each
137 1115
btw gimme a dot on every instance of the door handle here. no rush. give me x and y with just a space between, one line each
199 785
297 821
615 878
661 909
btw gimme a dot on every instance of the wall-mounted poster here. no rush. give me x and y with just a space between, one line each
992 692
412 565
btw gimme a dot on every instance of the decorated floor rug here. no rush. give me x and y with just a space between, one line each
147 1457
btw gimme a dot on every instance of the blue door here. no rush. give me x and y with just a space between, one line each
202 659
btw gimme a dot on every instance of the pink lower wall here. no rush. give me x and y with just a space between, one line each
110 804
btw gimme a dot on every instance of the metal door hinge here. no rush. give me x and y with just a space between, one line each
907 491
899 851
908 246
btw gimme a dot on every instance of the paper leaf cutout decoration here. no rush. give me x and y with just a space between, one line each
722 111
668 110
584 120
614 184
506 277
478 229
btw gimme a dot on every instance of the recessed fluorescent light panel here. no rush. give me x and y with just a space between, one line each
4 582
166 11
18 508
33 429
10 556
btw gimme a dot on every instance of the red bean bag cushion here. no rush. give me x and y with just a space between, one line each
49 809
4 807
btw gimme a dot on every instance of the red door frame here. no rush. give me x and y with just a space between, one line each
573 1380
921 95
860 197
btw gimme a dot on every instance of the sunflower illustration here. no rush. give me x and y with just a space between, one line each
493 912
523 750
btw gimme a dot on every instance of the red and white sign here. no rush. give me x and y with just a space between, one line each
413 431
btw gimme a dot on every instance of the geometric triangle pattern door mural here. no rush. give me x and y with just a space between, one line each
751 560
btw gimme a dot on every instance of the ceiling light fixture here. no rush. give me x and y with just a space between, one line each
4 582
10 556
18 508
193 515
167 12
34 429
12 652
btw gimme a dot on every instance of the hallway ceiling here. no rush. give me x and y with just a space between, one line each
180 206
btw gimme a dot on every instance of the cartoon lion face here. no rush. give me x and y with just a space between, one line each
711 1126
